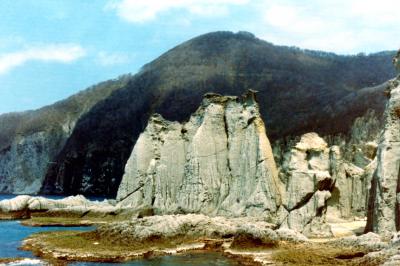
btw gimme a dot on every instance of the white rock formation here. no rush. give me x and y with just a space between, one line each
308 185
40 204
322 185
218 163
384 203
348 163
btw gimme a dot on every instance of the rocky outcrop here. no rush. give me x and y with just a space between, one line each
384 202
351 189
369 241
195 226
218 163
321 184
71 204
308 184
347 161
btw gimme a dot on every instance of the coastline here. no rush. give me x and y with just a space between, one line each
246 249
123 235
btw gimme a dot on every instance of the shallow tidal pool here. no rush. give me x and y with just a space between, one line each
196 259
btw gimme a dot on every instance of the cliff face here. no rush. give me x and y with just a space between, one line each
30 141
220 162
299 92
24 163
384 202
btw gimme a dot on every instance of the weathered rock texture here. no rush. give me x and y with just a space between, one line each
346 163
351 187
305 172
383 209
41 204
321 184
218 163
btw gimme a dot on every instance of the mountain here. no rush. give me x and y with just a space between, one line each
298 91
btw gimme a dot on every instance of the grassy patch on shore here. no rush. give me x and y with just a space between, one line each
90 246
57 221
322 254
65 218
67 221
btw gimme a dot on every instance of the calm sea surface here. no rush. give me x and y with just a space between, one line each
12 233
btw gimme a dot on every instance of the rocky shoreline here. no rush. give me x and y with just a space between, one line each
247 240
123 235
252 244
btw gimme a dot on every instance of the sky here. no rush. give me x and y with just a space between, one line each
51 49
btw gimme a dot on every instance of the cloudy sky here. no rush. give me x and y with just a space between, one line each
50 49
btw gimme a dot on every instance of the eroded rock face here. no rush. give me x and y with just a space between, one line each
383 209
308 184
218 163
31 141
24 164
348 162
322 185
351 189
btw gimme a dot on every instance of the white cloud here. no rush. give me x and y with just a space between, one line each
343 26
111 59
139 11
63 53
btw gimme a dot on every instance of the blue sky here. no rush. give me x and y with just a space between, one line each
50 49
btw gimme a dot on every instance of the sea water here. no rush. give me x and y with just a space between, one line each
12 233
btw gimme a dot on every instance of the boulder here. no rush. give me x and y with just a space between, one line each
251 236
290 235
